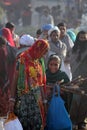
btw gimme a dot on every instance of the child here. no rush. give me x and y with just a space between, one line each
55 75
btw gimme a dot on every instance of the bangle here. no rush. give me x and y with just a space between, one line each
12 99
45 101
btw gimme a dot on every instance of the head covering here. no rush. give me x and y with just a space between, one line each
55 28
37 50
47 27
26 40
33 67
5 32
58 75
54 57
72 35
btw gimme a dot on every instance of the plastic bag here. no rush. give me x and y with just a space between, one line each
2 120
12 123
57 116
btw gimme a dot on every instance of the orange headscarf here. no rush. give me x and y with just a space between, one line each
33 68
39 48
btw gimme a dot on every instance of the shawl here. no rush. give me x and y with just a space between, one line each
78 68
67 40
37 51
3 69
55 77
5 32
59 48
4 86
34 72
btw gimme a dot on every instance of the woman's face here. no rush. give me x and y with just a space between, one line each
55 36
83 37
53 66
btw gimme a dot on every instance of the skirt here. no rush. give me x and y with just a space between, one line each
27 110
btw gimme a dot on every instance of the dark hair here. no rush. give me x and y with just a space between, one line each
77 42
62 24
38 31
80 46
9 25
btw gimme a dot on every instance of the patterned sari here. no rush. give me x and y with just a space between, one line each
29 107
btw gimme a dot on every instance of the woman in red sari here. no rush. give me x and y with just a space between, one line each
8 64
4 80
6 34
30 87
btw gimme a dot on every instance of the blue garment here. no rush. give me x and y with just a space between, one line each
47 27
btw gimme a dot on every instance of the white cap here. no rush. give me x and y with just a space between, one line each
55 28
26 40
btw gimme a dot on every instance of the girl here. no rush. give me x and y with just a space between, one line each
55 75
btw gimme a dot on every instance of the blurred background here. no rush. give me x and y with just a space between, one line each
26 14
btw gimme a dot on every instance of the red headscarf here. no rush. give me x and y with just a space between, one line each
8 36
33 67
37 50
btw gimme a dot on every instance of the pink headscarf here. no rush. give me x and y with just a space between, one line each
8 36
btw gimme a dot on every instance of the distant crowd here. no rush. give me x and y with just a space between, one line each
30 67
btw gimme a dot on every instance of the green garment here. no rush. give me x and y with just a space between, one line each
43 65
55 77
21 80
52 78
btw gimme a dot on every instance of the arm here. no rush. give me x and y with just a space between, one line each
13 89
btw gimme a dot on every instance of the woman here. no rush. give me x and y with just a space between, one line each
4 79
78 110
11 52
30 85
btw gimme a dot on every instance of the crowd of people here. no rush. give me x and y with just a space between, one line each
31 66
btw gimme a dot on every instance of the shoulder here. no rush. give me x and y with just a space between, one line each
64 76
62 44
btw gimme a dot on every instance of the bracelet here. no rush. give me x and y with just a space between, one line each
12 99
45 101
